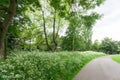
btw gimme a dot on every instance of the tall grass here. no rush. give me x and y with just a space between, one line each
45 66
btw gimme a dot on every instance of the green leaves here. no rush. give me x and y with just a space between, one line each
55 3
90 4
99 2
109 46
29 15
89 20
44 66
4 4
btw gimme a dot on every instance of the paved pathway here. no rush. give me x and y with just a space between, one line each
103 68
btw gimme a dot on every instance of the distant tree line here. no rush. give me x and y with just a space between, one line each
107 45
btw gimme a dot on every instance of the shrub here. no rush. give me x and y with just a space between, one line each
96 46
44 66
109 46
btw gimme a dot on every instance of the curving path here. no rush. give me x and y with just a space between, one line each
103 68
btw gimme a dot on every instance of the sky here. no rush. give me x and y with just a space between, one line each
109 24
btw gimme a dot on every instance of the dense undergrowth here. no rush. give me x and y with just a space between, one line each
45 66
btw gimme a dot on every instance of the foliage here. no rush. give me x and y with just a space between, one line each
71 40
28 24
96 45
45 66
79 33
109 46
116 58
35 20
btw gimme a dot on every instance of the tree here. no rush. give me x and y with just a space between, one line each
8 9
79 32
56 9
88 22
96 46
53 11
80 27
4 24
71 40
109 46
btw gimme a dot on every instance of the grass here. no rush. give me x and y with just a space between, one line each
45 66
116 58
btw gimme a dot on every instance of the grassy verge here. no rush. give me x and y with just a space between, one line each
45 66
116 58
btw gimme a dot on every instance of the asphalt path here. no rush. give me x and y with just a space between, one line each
103 68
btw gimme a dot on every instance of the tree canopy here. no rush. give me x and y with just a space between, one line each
40 24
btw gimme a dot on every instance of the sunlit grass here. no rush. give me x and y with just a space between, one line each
116 58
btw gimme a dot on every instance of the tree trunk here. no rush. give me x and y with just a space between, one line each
45 33
4 27
2 43
73 42
58 28
54 35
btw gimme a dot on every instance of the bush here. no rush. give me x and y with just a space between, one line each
109 46
44 66
96 46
